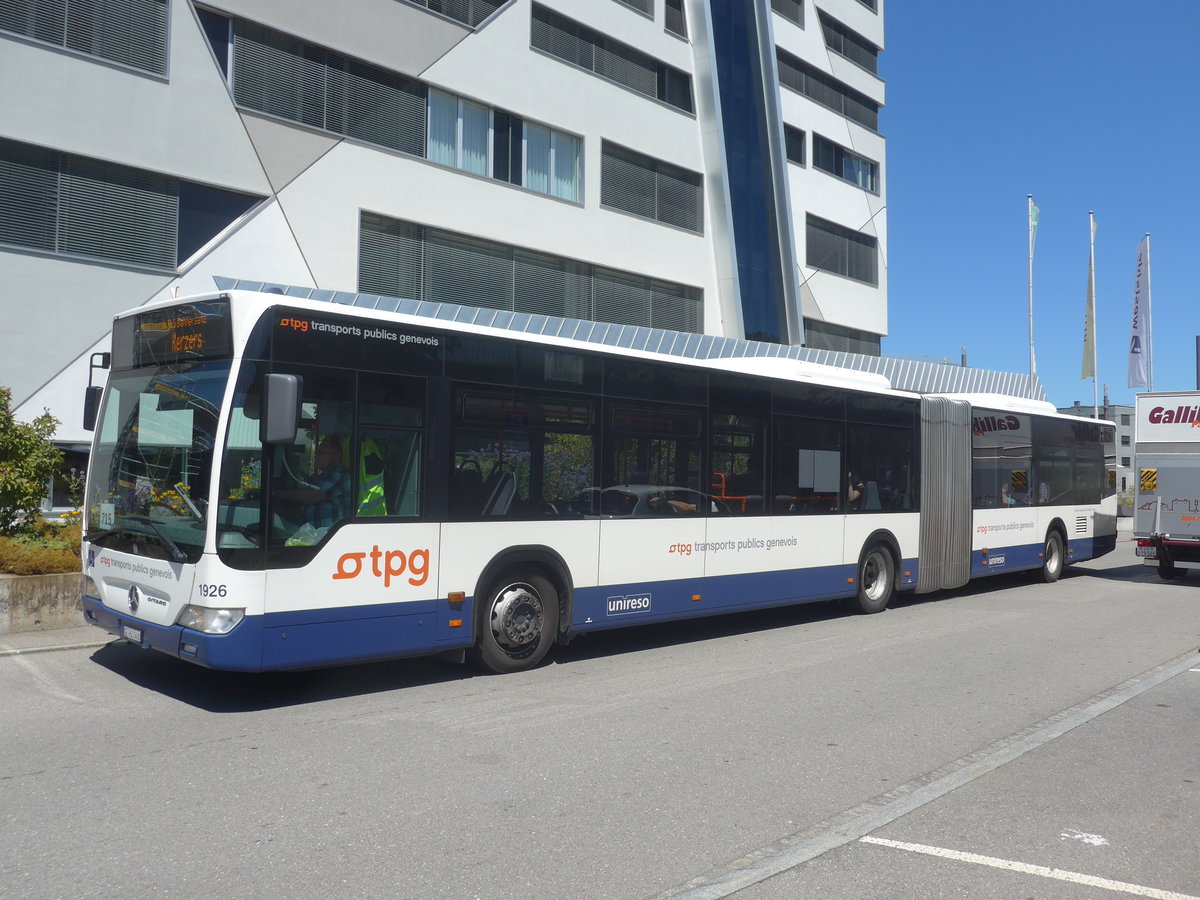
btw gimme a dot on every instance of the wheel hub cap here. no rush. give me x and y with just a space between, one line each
517 617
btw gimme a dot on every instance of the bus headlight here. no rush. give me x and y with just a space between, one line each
90 588
210 621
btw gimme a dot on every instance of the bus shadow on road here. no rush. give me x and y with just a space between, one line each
613 642
236 692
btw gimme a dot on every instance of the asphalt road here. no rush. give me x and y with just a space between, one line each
1009 739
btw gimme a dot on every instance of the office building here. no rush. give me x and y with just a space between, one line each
713 166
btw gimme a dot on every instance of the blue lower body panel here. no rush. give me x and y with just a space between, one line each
303 639
1024 557
619 605
238 651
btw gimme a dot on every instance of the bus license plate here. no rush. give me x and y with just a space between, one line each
131 634
1146 552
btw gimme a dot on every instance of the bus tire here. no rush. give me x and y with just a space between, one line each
876 580
518 619
1053 557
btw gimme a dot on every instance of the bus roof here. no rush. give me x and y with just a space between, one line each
872 373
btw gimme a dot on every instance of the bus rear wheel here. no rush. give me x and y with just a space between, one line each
1052 558
518 619
876 580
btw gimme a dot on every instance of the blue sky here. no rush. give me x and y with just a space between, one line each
1085 105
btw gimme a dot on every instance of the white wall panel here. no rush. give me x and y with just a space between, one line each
184 126
61 307
82 298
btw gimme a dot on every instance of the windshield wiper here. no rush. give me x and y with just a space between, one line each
92 536
176 552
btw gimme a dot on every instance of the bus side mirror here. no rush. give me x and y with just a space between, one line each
91 406
280 408
91 397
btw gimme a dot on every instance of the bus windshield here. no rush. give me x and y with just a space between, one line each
152 461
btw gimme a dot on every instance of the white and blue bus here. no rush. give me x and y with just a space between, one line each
281 483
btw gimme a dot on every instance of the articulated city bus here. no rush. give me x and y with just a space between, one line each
285 483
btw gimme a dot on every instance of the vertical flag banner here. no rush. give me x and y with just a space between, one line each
1139 337
1033 223
1089 315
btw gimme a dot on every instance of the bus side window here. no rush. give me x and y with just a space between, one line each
737 443
806 474
387 461
388 473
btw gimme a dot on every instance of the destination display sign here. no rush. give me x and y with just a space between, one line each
174 334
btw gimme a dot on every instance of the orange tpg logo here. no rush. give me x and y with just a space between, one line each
394 564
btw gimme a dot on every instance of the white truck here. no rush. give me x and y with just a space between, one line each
1166 525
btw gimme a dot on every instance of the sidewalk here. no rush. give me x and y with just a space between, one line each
73 638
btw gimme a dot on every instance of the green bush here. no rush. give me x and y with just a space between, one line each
27 461
47 548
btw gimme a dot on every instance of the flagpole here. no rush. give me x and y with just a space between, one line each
1095 338
1149 324
1032 362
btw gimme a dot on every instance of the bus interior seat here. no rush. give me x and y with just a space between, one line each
872 498
499 489
467 489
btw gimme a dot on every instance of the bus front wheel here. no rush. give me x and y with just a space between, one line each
1052 557
876 580
517 623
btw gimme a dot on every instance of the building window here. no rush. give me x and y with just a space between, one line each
1124 440
469 12
826 90
792 10
651 188
676 19
643 6
827 336
872 5
850 44
219 31
413 261
1124 418
552 162
74 205
459 133
283 76
579 45
793 143
842 251
130 32
837 160
1125 463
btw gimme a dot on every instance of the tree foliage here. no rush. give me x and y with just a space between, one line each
27 461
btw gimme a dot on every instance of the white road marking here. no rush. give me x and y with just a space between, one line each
1082 836
1107 884
45 682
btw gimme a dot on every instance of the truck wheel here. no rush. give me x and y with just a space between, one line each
518 618
1052 558
1168 572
